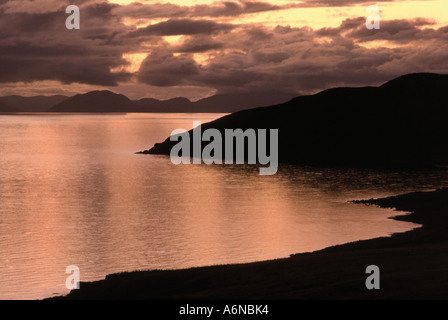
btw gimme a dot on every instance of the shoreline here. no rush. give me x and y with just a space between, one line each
413 265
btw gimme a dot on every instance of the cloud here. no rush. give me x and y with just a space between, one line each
303 59
223 9
32 7
161 69
181 27
215 10
36 67
199 44
399 31
37 46
344 3
212 53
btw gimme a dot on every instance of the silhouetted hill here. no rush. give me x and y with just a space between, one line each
106 101
95 101
403 122
228 103
417 83
154 105
29 104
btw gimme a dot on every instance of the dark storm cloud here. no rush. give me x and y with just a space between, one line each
217 9
24 23
400 31
82 71
168 70
99 9
37 46
181 27
289 59
199 44
171 70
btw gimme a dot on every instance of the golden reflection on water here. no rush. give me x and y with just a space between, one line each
73 192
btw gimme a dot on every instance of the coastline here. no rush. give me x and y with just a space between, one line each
413 265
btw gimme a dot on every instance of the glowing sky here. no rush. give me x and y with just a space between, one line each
164 49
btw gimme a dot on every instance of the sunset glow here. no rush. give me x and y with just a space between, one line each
243 150
208 45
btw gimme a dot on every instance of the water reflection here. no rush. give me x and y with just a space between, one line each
74 193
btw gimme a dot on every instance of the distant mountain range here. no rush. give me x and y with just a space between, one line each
402 123
107 101
29 104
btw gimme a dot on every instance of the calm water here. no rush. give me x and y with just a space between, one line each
72 192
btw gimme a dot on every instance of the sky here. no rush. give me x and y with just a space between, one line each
194 49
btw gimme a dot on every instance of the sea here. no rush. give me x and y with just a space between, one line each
74 192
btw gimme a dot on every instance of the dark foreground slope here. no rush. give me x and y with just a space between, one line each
403 122
413 265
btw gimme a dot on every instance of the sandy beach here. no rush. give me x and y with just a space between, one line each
412 265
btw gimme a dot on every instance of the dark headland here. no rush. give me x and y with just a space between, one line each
413 265
402 123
